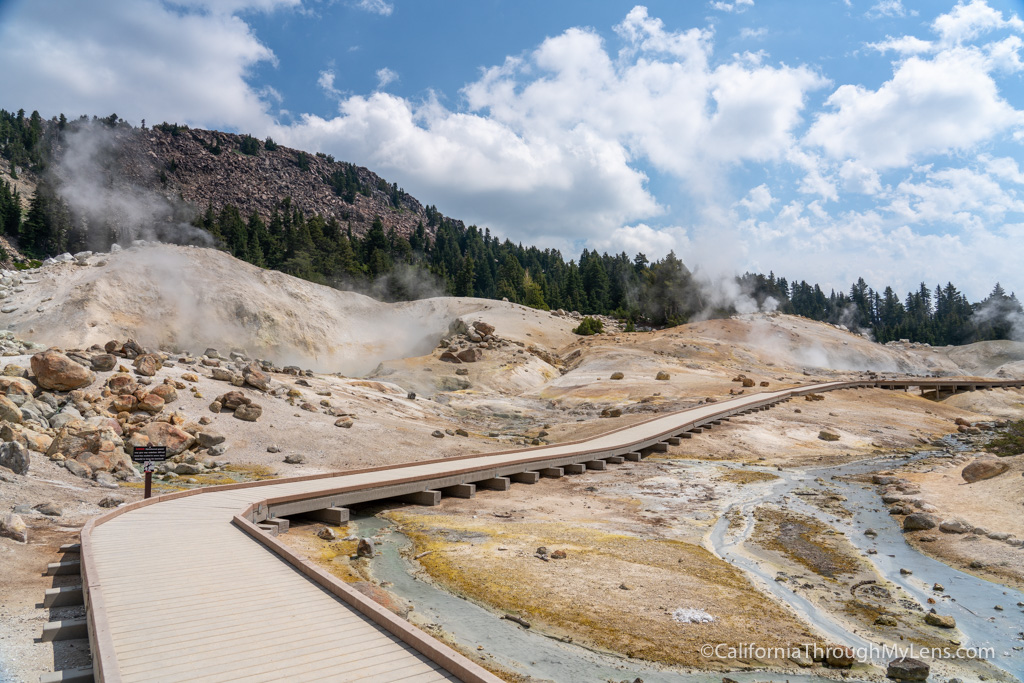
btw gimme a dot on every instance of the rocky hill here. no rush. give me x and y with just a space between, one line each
211 168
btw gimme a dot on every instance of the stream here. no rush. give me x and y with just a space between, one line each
973 599
522 650
531 653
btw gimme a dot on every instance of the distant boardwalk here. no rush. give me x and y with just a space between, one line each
193 586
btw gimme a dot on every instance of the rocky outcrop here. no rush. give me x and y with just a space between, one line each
57 372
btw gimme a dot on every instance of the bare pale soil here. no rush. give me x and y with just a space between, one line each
644 526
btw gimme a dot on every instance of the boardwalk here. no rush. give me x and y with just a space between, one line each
191 587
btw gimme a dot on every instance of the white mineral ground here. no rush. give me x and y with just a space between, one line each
538 376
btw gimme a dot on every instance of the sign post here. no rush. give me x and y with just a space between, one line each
149 455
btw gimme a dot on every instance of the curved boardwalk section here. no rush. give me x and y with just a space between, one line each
189 587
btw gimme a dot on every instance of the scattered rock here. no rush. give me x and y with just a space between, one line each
470 355
147 364
940 620
78 469
255 377
828 436
57 372
905 572
483 328
14 457
747 382
617 375
295 459
907 669
210 439
886 620
954 526
919 521
980 470
250 412
13 526
663 376
9 410
48 509
327 533
273 449
344 423
437 434
558 555
103 362
871 533
111 502
365 548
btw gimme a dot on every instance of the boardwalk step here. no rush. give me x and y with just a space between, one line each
68 629
63 597
64 568
82 674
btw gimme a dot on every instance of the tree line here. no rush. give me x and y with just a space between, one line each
443 256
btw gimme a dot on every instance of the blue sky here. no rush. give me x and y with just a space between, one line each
823 140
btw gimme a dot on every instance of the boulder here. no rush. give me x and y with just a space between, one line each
13 370
57 372
483 328
165 434
103 362
663 376
365 548
907 669
209 439
980 470
249 412
954 526
147 364
232 400
470 355
78 469
344 423
165 391
255 377
450 357
125 403
222 374
940 620
9 410
747 382
919 521
13 526
14 457
122 384
151 403
14 387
